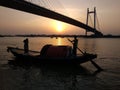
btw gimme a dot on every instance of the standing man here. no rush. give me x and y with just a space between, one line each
75 43
26 47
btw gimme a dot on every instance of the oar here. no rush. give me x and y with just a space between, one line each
96 65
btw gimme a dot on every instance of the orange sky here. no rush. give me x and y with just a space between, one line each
17 22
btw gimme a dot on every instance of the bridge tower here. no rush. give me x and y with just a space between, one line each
88 13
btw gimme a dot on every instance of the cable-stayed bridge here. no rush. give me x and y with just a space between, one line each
24 5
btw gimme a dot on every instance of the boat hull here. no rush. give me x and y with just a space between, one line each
34 57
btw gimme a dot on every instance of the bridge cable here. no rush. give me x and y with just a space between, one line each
91 22
98 23
41 3
51 5
59 4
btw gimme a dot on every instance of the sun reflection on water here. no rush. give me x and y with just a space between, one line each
59 41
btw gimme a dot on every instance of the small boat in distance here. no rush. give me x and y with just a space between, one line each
52 54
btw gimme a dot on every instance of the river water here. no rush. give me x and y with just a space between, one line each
14 77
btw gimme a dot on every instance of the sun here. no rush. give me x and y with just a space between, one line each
59 26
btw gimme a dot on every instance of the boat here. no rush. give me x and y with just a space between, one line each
51 54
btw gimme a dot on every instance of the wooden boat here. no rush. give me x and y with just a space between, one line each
51 54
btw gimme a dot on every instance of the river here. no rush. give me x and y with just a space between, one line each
13 77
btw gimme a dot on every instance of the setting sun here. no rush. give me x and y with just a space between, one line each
59 26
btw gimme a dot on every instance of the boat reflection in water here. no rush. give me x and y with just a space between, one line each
59 76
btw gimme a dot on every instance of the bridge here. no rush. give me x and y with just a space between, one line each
29 7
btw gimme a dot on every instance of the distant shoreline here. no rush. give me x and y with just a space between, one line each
62 36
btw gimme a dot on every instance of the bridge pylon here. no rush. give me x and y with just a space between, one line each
88 13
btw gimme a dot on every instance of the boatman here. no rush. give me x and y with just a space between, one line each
26 47
75 43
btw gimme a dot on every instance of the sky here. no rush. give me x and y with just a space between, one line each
18 22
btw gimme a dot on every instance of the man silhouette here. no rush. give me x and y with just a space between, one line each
26 47
75 43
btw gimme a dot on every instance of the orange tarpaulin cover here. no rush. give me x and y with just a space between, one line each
58 51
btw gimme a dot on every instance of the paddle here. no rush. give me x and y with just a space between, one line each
96 65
